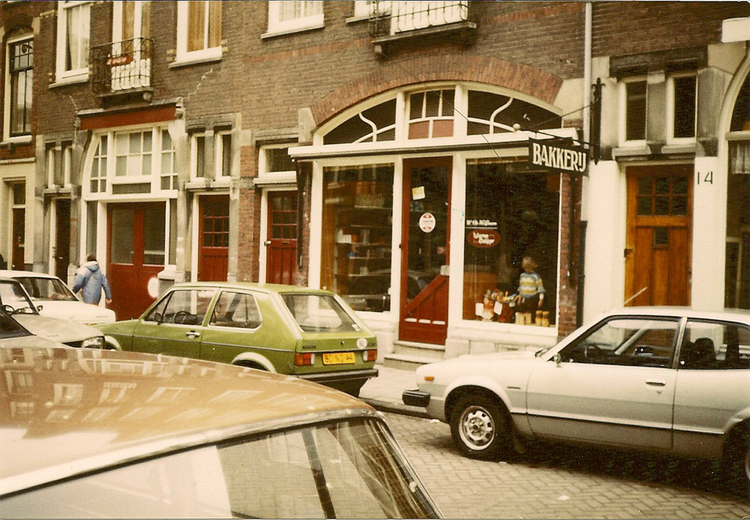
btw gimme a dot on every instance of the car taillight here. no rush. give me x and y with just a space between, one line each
302 359
370 355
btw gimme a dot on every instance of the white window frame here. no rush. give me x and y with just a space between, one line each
183 55
623 110
8 91
219 152
194 137
363 8
671 109
153 179
80 73
117 15
303 23
50 158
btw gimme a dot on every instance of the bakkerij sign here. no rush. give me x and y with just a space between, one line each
558 156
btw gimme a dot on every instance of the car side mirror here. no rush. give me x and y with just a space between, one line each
8 309
39 308
558 359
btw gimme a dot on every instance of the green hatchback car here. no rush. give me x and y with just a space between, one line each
308 333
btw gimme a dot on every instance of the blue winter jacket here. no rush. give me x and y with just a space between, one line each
91 281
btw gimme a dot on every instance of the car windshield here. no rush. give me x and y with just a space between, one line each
319 313
10 328
14 299
342 469
47 288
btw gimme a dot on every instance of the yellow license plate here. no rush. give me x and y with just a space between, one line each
338 358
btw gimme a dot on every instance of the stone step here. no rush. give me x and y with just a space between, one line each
427 351
403 362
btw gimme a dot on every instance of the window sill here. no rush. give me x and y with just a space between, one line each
72 80
23 139
284 32
196 59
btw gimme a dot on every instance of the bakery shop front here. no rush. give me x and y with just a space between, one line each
427 215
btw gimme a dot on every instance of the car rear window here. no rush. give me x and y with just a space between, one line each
319 313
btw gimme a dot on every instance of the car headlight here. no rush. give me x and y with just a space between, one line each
95 342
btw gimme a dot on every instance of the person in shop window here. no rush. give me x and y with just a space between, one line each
90 280
530 288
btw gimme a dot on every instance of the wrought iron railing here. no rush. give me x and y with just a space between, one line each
122 66
390 18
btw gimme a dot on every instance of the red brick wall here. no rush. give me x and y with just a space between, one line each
620 28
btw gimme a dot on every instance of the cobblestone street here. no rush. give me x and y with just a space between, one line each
556 481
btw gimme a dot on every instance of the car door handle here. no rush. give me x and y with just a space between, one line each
653 382
193 334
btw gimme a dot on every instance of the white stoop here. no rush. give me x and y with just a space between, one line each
409 355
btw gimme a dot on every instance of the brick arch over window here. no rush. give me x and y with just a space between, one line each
491 71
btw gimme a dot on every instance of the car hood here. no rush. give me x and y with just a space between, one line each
55 329
76 311
29 341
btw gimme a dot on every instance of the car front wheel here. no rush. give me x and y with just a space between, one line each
479 427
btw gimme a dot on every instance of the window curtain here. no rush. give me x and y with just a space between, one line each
739 152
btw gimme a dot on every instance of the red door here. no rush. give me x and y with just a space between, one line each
19 232
425 239
136 235
62 238
657 258
281 245
213 247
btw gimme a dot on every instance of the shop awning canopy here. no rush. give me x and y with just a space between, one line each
518 139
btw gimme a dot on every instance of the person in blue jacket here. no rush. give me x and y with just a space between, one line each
91 280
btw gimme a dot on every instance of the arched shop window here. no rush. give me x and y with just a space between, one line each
512 209
737 274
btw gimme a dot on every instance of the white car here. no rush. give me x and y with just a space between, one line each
668 380
15 301
57 300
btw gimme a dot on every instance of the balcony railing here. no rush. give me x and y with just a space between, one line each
389 18
123 66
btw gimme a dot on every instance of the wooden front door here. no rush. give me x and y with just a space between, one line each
62 238
281 243
136 234
424 249
657 255
19 232
213 247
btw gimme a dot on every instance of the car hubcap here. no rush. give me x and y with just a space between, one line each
477 430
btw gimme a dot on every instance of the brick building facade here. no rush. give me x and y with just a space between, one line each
380 149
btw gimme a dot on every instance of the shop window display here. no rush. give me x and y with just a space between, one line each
357 235
512 221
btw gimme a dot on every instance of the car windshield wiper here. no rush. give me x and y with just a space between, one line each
541 351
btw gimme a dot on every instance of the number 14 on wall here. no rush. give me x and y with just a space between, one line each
704 177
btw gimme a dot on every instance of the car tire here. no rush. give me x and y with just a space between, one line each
480 428
737 461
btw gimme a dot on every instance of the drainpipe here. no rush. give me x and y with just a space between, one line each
586 137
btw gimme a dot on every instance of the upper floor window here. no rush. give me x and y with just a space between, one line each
224 154
198 30
19 91
73 40
634 93
58 165
132 19
682 93
198 155
294 15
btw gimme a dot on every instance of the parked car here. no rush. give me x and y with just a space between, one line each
371 292
112 434
15 301
311 334
57 300
13 334
668 380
